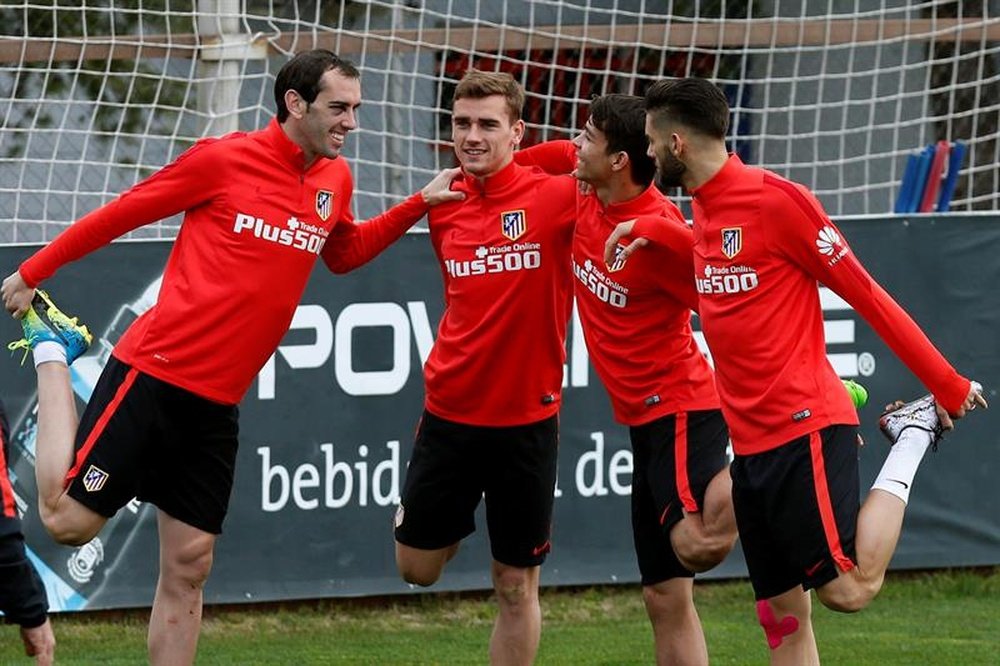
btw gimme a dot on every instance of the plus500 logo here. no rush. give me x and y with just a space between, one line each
597 283
491 261
731 283
296 235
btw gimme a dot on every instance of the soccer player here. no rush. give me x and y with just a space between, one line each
259 208
761 245
22 594
636 318
494 376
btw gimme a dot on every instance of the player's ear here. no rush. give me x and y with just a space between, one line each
518 128
676 144
620 160
294 103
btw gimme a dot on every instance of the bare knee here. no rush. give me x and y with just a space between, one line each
188 565
848 594
422 567
516 588
70 527
670 598
701 553
423 576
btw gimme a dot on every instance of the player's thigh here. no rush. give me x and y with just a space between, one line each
678 456
189 473
442 487
116 430
655 503
795 512
520 476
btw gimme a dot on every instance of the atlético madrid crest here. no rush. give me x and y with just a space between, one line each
618 263
513 224
732 241
324 204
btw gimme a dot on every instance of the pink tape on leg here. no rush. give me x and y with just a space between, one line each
774 629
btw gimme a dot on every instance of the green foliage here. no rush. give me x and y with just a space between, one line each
943 618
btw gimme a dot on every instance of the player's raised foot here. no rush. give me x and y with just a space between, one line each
920 413
46 322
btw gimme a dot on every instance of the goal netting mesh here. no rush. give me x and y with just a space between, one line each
97 94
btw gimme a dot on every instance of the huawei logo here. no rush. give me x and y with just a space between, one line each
827 240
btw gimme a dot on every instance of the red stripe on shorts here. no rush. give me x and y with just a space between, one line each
99 427
681 462
825 505
6 491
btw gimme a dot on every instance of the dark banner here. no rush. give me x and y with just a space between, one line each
327 428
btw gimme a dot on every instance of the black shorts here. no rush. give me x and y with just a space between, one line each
454 465
142 437
674 459
797 509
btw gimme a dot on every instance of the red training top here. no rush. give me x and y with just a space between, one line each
504 253
636 314
761 244
255 219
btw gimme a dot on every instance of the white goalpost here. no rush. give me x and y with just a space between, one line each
98 94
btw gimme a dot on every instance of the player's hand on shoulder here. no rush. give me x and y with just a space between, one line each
622 230
17 295
438 190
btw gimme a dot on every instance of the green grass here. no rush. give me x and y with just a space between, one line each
946 618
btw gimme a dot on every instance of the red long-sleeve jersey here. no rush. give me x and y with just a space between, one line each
255 220
504 253
636 314
761 244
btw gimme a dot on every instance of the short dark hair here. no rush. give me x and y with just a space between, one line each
477 84
698 104
622 118
303 74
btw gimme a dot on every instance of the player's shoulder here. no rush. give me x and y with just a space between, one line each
790 207
554 184
215 147
779 185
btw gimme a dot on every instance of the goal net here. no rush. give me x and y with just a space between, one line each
837 95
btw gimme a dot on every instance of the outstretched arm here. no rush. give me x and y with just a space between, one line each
192 179
352 244
804 233
555 157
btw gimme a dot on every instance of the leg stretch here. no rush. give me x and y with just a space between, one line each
880 522
67 520
518 627
677 634
175 621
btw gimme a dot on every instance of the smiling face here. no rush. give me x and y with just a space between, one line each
593 162
320 127
484 134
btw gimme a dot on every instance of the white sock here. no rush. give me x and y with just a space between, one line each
48 351
900 466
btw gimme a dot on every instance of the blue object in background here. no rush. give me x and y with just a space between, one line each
906 186
920 181
955 161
